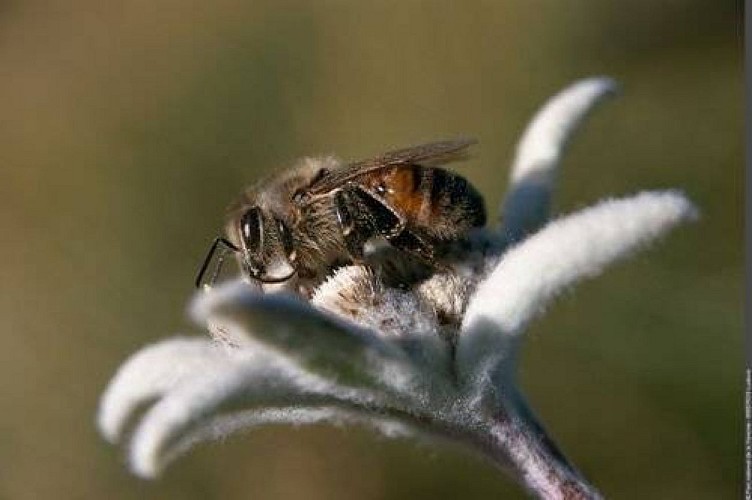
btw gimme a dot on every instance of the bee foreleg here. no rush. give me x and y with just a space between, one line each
352 237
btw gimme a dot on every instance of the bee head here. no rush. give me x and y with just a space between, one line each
267 246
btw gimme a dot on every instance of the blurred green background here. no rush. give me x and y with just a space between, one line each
126 127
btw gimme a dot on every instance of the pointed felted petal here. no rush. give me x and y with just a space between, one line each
539 152
151 372
205 301
318 341
224 425
566 251
205 408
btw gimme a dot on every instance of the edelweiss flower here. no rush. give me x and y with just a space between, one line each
360 352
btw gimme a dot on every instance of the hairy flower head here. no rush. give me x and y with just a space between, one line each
434 361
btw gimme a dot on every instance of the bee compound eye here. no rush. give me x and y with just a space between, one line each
251 230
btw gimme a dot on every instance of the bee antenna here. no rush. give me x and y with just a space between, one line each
210 254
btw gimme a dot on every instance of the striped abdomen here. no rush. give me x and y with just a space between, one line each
435 202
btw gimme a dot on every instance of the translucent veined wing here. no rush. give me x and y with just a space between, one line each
431 154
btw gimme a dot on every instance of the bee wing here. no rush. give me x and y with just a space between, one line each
431 154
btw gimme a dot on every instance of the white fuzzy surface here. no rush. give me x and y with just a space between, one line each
356 294
400 317
150 373
564 252
226 390
316 340
540 150
221 426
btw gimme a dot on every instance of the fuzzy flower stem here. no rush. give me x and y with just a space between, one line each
513 441
533 459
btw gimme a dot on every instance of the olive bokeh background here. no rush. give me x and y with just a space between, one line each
126 127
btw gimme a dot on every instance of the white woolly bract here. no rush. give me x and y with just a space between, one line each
539 152
395 358
565 251
151 372
222 425
318 341
207 300
233 387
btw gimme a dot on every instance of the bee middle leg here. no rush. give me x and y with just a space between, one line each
406 261
362 216
408 241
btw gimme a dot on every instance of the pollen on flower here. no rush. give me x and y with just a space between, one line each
356 293
447 293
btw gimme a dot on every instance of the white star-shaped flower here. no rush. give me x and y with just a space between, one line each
360 352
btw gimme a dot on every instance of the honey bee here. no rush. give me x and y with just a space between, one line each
319 215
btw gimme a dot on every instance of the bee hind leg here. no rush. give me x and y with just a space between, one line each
362 217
